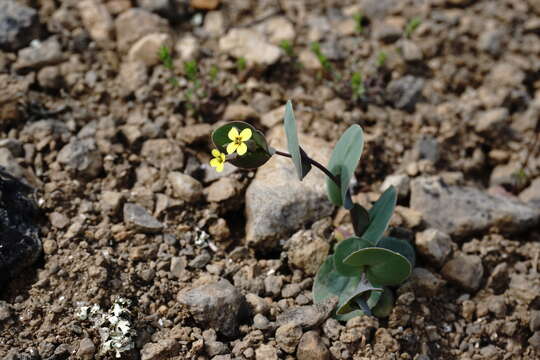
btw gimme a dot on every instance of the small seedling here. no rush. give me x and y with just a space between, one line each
241 64
214 72
381 58
357 85
411 26
358 18
326 64
165 57
287 48
191 70
363 266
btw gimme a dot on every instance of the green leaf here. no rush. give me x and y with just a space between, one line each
343 163
385 304
345 248
257 155
363 290
297 154
360 219
382 266
380 215
402 247
328 283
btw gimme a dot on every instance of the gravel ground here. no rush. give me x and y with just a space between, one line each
146 253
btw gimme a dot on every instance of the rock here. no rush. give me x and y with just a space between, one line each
250 45
378 9
257 304
214 23
273 285
386 32
461 211
491 123
277 203
132 76
288 336
405 92
178 266
464 270
135 23
215 306
278 29
260 322
426 148
111 202
140 219
534 340
274 117
82 157
411 218
5 311
223 189
491 41
58 220
14 146
505 74
532 193
311 347
194 134
204 4
161 350
187 47
163 154
97 20
146 49
50 78
434 245
86 349
39 54
411 51
10 164
307 251
534 323
505 174
425 282
239 112
211 345
309 60
309 316
19 24
185 187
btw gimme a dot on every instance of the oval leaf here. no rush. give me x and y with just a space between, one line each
254 157
360 219
400 246
343 162
385 304
380 215
297 154
363 290
382 266
345 248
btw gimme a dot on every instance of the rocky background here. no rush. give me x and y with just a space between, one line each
144 244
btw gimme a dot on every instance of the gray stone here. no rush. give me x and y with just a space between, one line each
178 266
250 45
312 347
462 211
55 129
19 24
140 219
434 245
39 54
185 187
307 251
308 316
260 322
532 193
277 203
426 148
10 164
215 305
82 157
405 92
464 270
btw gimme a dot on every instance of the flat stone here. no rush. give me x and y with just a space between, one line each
250 45
19 25
308 316
215 305
140 219
462 211
464 270
277 203
39 54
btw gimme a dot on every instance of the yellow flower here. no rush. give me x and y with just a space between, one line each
238 141
218 161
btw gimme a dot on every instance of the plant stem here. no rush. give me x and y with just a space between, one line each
316 164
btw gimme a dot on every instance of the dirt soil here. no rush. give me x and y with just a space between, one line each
116 142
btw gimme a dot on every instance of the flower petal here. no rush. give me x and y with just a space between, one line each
231 148
242 149
246 134
216 153
233 134
219 168
215 163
